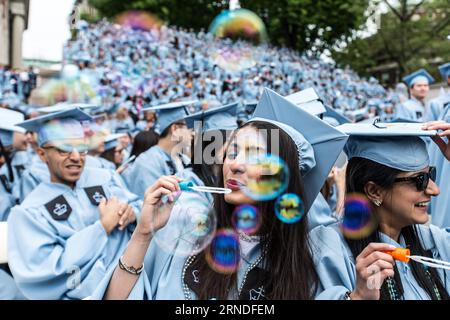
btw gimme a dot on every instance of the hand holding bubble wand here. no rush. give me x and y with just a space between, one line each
404 255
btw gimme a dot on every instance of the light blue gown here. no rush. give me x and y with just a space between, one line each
58 248
9 190
335 263
8 288
38 172
440 205
411 109
147 168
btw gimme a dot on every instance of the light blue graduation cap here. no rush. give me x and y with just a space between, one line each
169 113
9 120
58 126
112 140
419 76
445 71
68 106
396 145
333 114
319 144
308 100
220 118
250 106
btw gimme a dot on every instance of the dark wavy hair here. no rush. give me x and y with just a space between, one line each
359 172
288 262
143 141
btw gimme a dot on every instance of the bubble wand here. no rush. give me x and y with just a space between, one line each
404 255
189 185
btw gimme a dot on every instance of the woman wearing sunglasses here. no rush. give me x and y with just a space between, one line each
393 174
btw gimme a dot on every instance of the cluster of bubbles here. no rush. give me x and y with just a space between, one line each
191 226
138 20
268 179
358 221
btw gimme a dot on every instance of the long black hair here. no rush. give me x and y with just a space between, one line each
290 272
359 172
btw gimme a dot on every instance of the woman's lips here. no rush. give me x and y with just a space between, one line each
234 185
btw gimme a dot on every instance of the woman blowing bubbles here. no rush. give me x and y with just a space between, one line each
275 262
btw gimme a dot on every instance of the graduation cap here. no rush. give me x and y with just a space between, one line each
220 118
8 125
112 140
326 143
396 145
445 71
377 128
308 100
67 106
249 106
338 118
58 126
169 113
420 75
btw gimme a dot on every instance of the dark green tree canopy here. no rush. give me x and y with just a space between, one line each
305 25
412 35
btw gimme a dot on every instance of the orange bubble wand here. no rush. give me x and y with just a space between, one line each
404 255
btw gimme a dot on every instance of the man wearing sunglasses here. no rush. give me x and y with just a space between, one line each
69 230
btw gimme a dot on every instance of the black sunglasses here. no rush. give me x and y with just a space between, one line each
421 180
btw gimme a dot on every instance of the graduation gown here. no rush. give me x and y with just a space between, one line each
58 248
147 168
411 109
9 190
440 205
8 288
38 172
335 263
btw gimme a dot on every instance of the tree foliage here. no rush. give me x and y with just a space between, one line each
412 34
299 24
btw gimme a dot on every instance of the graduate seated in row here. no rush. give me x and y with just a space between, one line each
165 158
69 230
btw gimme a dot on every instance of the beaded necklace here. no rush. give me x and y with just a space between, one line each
394 294
190 260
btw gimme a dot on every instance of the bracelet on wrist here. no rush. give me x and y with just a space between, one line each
130 269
